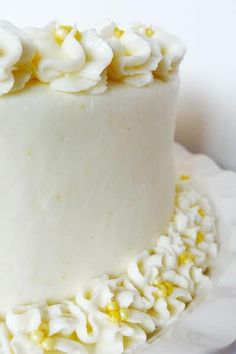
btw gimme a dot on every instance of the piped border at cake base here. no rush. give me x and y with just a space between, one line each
118 314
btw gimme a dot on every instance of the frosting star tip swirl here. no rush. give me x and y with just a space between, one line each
71 60
160 282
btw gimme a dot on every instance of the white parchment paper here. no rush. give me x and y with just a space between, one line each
208 326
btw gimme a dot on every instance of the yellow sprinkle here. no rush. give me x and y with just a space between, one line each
149 32
201 212
77 35
155 294
200 237
58 197
37 336
61 32
156 281
169 286
112 306
151 252
185 257
184 177
177 188
118 32
124 314
120 283
89 328
48 344
114 316
29 152
44 327
163 290
74 337
171 308
88 295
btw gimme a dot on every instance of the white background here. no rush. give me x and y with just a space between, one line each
207 107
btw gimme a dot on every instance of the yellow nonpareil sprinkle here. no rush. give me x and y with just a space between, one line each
155 294
48 344
58 197
156 281
177 188
169 286
171 308
184 177
29 152
112 306
114 316
124 314
200 237
74 337
149 32
89 328
77 35
118 32
44 327
37 336
185 257
116 313
151 252
88 295
61 32
165 288
201 212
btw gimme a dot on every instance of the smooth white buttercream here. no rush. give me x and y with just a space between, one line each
79 175
113 315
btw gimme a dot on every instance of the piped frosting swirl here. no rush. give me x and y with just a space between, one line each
16 56
71 60
117 314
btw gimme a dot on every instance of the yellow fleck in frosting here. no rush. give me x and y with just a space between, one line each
114 316
112 306
184 177
37 336
186 257
61 32
118 32
48 344
201 212
149 32
200 237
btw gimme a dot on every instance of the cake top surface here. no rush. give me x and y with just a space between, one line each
70 60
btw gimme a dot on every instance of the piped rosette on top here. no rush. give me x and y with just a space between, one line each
16 58
71 60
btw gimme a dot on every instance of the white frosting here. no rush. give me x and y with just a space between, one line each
135 56
16 54
172 49
114 315
69 159
71 61
75 64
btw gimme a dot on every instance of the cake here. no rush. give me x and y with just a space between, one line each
100 246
